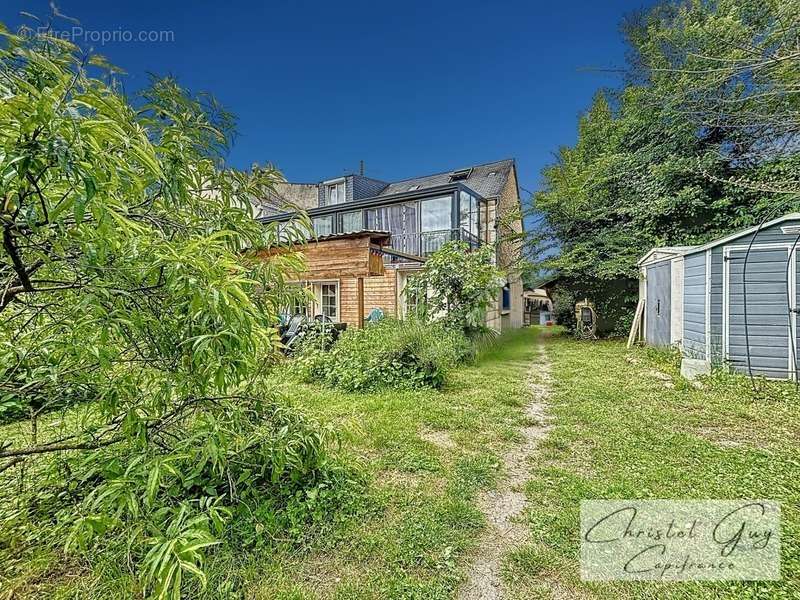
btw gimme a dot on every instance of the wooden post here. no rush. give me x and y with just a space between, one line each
360 298
636 327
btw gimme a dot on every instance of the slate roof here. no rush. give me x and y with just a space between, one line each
487 179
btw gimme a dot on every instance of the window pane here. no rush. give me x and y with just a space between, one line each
336 193
464 210
378 219
468 213
351 221
474 223
323 225
328 294
435 214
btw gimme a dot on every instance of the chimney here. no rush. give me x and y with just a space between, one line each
361 168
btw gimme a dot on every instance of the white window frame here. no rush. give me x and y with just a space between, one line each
318 298
296 307
334 184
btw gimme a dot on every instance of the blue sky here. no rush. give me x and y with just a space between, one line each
411 88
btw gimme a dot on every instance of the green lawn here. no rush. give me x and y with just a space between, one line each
427 454
623 430
620 429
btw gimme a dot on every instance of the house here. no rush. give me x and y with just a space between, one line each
731 302
358 220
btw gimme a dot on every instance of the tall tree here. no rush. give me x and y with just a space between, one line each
650 168
732 69
130 290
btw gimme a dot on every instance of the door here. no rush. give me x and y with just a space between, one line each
658 307
757 325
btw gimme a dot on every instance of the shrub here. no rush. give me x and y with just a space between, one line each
401 354
244 474
457 286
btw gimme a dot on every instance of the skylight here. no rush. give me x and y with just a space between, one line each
460 175
413 187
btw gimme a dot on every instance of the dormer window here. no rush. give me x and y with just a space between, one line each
334 192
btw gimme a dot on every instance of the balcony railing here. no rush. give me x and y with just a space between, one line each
425 243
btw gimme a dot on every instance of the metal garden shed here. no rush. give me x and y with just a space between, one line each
731 302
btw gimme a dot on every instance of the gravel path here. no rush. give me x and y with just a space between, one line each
504 505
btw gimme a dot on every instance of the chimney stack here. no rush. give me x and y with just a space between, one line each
361 168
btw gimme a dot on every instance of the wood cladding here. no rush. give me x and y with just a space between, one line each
341 258
379 292
356 263
330 259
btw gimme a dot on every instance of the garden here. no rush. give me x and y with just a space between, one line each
146 434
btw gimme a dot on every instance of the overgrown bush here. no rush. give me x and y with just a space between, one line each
315 334
391 353
457 286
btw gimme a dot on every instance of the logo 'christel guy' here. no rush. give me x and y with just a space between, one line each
680 540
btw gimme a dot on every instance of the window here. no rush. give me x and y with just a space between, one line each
378 219
506 298
468 213
413 305
329 300
335 192
460 175
299 301
351 221
435 214
323 225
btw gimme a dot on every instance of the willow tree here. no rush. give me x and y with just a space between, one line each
131 299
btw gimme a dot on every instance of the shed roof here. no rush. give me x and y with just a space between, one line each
735 236
373 234
670 252
663 253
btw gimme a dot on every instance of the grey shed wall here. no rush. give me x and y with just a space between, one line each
768 315
694 305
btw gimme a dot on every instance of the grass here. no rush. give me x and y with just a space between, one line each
627 426
425 455
624 425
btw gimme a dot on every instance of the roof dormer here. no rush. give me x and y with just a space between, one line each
333 191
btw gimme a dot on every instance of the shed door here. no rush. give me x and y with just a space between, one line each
765 329
658 317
